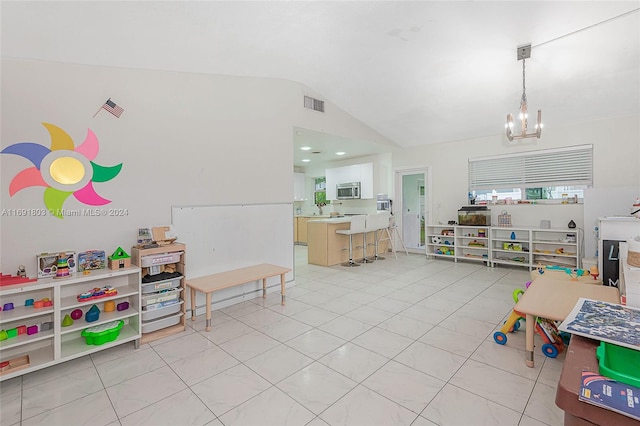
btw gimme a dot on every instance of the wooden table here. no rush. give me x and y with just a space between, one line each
554 299
210 283
581 355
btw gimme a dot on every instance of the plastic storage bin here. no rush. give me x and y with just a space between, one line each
148 327
160 259
619 363
165 296
171 308
161 285
474 216
103 333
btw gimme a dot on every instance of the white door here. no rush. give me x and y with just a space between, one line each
412 194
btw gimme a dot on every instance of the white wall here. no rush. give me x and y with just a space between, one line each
183 139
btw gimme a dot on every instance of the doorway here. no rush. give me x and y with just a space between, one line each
413 214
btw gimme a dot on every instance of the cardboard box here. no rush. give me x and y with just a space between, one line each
91 259
47 263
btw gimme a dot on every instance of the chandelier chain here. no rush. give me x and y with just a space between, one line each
523 101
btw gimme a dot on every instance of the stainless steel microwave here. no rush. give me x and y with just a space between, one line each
348 191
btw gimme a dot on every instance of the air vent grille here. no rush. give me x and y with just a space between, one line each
314 104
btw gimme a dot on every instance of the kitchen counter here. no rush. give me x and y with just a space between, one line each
344 219
326 248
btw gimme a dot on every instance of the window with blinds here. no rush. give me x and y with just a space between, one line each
533 175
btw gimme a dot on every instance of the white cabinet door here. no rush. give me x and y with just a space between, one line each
299 187
366 181
351 173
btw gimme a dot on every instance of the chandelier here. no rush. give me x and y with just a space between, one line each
523 52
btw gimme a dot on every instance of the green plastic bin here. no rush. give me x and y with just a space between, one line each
103 333
619 363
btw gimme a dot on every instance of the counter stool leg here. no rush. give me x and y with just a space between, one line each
351 262
365 259
377 238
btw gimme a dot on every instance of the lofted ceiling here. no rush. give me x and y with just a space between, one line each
417 72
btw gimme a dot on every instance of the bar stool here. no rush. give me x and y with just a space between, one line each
382 223
371 225
357 226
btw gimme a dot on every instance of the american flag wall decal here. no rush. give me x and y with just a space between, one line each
112 107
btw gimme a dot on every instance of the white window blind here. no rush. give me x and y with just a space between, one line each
554 167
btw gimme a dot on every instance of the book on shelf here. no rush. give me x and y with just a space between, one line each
608 322
610 394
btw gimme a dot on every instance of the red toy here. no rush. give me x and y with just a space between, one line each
6 279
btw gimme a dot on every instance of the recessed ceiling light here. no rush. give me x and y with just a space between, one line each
340 153
305 148
306 160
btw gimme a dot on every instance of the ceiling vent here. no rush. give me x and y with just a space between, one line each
314 104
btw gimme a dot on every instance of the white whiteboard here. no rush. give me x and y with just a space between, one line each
223 237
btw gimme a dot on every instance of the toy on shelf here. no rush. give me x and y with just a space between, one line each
42 303
47 264
76 314
6 279
109 306
97 293
545 328
120 259
14 364
92 314
91 259
62 266
67 321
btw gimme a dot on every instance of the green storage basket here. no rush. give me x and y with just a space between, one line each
103 333
619 363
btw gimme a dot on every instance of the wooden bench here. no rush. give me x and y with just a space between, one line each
210 283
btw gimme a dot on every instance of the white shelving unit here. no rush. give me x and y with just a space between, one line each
58 344
441 241
511 246
472 243
163 301
556 247
521 246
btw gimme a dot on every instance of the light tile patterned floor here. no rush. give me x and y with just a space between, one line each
404 341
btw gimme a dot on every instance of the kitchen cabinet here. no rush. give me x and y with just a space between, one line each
163 297
302 229
299 187
326 248
47 341
366 181
362 173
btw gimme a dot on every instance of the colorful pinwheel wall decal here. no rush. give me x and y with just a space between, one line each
62 169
